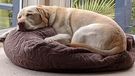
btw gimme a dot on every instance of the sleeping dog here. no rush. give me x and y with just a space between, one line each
76 27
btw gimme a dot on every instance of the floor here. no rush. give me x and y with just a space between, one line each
9 69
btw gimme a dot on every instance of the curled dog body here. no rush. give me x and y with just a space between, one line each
76 27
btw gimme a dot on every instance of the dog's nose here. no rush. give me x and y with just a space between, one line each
21 26
21 23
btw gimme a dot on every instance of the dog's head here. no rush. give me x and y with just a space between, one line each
32 17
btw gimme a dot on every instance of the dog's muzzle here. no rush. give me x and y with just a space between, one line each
21 26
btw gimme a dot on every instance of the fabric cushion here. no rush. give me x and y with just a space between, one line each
29 50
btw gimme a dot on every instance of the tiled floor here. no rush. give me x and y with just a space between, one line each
9 69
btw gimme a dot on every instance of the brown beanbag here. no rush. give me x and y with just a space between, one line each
29 50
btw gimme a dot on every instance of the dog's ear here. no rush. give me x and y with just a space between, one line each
44 14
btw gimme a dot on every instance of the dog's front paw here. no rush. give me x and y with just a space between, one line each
2 38
49 39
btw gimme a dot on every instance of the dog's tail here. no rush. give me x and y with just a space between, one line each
112 51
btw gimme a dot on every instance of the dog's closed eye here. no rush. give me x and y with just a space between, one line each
19 16
29 14
33 15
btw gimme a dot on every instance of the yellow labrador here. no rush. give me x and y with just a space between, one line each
93 31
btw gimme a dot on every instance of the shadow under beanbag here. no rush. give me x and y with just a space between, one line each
29 50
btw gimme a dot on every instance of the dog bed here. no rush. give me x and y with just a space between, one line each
29 50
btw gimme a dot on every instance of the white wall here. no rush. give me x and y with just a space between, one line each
64 3
32 2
